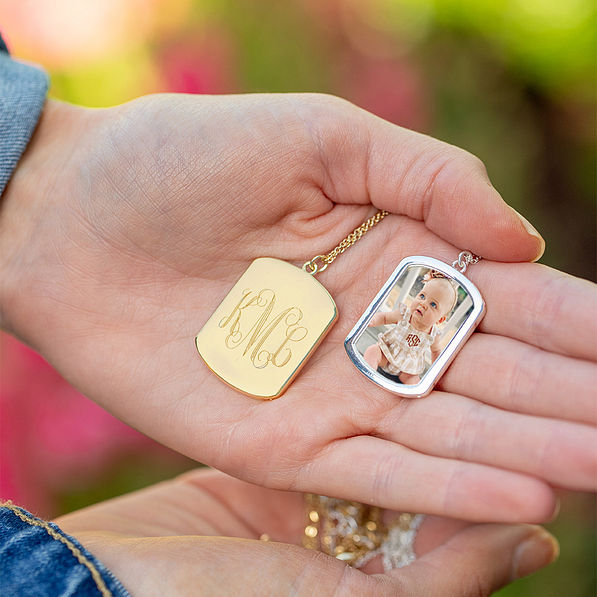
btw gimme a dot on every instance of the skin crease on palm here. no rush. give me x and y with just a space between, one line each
122 229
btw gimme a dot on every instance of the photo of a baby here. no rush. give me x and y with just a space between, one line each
420 316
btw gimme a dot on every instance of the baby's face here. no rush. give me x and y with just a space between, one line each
431 304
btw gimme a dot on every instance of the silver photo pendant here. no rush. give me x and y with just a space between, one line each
416 325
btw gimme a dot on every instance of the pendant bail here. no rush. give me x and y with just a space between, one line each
465 258
313 267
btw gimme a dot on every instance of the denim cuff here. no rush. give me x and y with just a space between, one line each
37 559
23 91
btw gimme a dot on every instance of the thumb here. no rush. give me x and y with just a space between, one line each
479 560
368 159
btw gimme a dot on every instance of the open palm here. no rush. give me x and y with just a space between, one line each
142 217
198 535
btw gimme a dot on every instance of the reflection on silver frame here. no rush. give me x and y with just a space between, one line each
467 312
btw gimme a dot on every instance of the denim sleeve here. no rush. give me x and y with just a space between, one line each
38 560
23 91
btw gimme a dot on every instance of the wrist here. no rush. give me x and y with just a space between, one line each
30 208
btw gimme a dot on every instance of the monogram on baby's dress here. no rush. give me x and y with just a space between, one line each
413 340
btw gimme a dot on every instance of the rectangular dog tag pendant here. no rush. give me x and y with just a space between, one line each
415 325
266 328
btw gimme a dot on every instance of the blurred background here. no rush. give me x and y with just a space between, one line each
512 81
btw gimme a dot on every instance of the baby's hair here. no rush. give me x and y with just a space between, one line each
434 274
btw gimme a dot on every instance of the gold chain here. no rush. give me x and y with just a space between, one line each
320 262
342 529
356 533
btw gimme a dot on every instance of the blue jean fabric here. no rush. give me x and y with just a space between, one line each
37 559
23 91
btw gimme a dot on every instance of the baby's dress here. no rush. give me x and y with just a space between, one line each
408 350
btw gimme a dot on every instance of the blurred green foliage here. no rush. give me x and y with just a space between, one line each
277 47
574 573
549 43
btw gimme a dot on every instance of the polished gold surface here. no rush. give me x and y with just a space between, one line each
266 328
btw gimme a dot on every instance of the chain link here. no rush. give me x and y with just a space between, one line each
320 262
465 259
357 533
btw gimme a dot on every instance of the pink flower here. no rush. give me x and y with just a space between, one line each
51 437
197 63
390 88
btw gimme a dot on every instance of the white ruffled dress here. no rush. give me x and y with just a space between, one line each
407 350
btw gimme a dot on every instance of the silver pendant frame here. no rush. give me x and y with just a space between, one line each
438 367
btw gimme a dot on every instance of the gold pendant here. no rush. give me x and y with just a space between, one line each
266 328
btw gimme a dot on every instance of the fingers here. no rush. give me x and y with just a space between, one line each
194 565
366 159
540 306
200 502
375 471
478 561
453 426
252 511
231 566
518 377
529 302
474 561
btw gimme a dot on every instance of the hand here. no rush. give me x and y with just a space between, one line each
176 539
123 229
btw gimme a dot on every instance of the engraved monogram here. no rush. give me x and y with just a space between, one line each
413 340
252 323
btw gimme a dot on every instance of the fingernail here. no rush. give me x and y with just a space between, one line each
532 231
537 551
556 510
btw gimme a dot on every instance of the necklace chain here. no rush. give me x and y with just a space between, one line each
465 258
319 263
356 533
